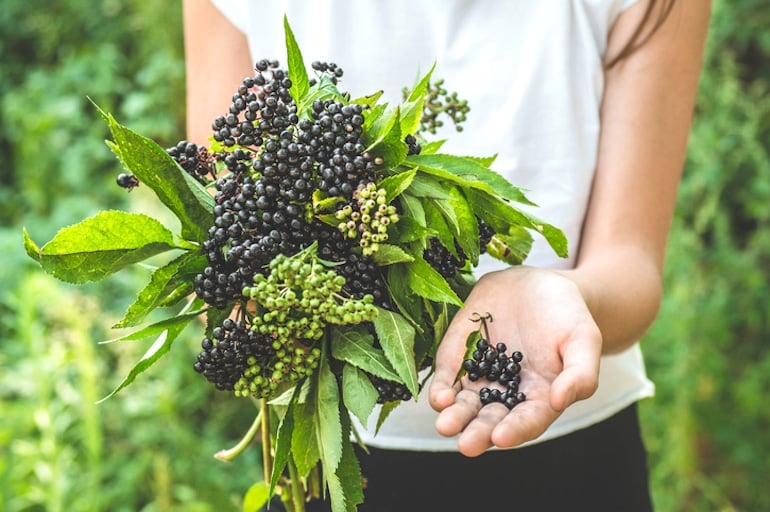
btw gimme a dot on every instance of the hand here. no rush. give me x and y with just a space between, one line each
540 313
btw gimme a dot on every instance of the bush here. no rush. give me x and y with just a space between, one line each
707 428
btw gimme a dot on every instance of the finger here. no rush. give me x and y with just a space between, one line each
580 376
525 422
453 420
449 356
477 436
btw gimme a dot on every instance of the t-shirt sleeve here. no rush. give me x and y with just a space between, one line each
233 11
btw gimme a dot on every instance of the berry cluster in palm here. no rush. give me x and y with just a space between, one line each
491 362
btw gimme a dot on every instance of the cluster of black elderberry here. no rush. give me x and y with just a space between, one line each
230 350
447 263
492 363
195 160
263 206
389 391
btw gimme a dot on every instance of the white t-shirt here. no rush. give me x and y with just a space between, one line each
531 71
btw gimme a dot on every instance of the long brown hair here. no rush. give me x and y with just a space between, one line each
641 34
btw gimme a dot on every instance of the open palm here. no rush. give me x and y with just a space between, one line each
540 313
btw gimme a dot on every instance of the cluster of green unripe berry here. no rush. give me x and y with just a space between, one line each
295 301
367 218
262 378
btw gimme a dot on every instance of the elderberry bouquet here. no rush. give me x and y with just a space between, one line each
325 240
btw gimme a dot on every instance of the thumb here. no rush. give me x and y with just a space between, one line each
580 376
449 357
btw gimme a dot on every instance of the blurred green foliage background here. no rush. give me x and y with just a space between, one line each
151 449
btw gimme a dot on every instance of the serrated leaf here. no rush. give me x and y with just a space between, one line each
187 199
158 327
152 295
388 254
500 215
394 185
304 438
300 84
345 489
370 100
385 411
101 245
432 147
384 138
256 497
323 90
283 441
468 172
511 248
435 219
408 230
396 336
358 393
158 349
30 247
399 287
328 423
426 282
426 185
412 108
468 234
412 208
356 347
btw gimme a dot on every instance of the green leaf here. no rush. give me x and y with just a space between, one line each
435 219
31 248
412 208
256 497
468 172
158 349
511 248
412 108
356 347
181 193
345 488
396 184
399 286
432 147
163 280
358 393
384 138
396 336
426 185
283 441
101 245
468 234
408 230
500 215
426 282
328 426
321 91
159 327
385 411
304 438
300 84
388 254
370 100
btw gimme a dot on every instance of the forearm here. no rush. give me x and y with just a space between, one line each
217 59
622 288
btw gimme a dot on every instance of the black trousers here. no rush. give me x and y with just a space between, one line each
600 468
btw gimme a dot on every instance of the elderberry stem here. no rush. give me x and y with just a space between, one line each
231 453
297 490
267 456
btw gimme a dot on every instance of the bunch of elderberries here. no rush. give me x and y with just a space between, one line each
492 363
